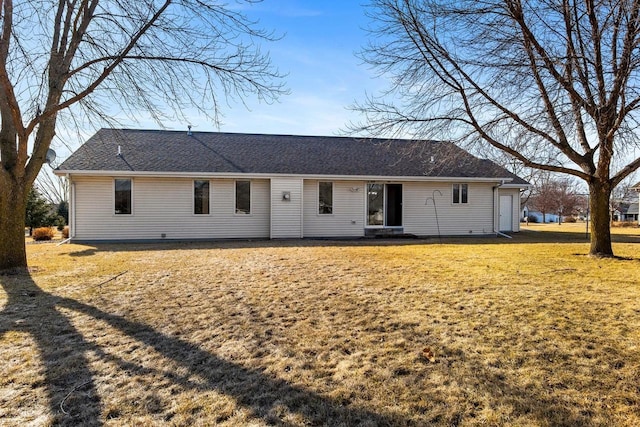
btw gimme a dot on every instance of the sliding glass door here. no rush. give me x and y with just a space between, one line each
384 205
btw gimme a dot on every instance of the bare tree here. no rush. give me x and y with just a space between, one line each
544 199
556 196
53 188
624 191
553 83
75 61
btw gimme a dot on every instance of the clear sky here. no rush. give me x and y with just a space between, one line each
324 76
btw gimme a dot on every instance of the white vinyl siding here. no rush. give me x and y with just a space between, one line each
286 208
165 206
472 218
347 219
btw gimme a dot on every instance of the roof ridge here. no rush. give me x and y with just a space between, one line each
281 135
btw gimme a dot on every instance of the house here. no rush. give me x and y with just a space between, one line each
636 209
154 184
626 212
538 217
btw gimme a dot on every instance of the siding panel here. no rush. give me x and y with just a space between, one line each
165 206
475 217
347 219
286 215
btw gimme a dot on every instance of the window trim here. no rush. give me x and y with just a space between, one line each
193 198
332 199
113 193
235 197
366 211
463 193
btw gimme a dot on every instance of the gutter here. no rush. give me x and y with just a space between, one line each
240 175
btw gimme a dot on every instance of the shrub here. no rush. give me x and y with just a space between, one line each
65 232
60 223
570 219
624 224
43 233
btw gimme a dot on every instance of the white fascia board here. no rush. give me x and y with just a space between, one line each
516 186
235 175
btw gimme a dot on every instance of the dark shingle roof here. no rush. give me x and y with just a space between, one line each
216 152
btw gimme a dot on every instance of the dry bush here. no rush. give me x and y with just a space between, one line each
65 232
624 224
43 233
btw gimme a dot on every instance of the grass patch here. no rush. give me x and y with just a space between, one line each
528 331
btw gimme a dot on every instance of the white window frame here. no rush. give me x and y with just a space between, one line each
193 197
459 187
235 197
113 201
332 199
384 199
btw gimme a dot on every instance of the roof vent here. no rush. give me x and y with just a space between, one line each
189 130
119 152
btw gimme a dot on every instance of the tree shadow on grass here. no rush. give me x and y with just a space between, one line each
525 236
62 350
72 394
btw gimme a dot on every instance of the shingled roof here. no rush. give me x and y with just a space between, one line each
217 152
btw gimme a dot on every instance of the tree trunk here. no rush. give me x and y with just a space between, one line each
12 211
600 194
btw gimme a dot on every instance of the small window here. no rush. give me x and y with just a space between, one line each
201 197
325 198
460 193
123 196
243 197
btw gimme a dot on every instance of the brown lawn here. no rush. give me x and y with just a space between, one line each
528 331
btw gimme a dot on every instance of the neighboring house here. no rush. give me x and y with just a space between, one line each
626 212
537 217
636 209
152 185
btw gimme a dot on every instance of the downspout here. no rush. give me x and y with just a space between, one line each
72 208
496 199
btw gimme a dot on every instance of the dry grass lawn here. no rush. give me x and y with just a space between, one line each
522 332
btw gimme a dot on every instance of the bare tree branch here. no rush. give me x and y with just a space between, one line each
83 61
551 83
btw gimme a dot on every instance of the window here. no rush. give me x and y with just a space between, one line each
375 204
243 197
201 197
460 193
325 198
123 197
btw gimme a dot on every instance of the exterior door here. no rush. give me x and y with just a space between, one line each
384 205
506 213
393 205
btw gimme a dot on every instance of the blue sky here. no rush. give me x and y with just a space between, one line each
324 76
